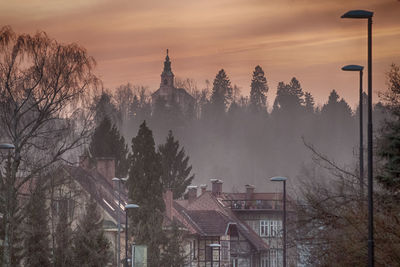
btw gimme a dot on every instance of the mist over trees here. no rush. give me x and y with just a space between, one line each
235 138
331 226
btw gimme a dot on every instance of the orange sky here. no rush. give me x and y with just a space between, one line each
301 38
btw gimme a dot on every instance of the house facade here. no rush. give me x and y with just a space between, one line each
246 226
75 185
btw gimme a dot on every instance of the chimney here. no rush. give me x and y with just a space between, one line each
249 191
216 187
106 167
168 198
203 188
84 162
192 193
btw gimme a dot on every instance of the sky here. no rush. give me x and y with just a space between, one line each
305 39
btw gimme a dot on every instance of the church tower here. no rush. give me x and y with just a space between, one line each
167 77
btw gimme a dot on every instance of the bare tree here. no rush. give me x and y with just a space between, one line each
43 85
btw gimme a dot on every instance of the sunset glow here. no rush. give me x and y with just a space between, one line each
304 38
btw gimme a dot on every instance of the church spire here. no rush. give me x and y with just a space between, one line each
167 77
167 64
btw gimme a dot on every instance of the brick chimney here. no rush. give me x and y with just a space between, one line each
168 199
106 167
249 191
84 162
216 187
203 188
192 193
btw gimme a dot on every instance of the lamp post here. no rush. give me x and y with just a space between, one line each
283 179
359 69
128 207
362 14
212 246
118 220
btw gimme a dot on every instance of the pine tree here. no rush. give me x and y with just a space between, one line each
36 238
389 142
63 256
91 248
309 102
145 189
107 142
289 97
173 253
259 89
176 172
105 108
221 94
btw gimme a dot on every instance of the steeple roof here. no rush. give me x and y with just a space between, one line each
167 64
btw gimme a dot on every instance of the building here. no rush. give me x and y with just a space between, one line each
168 93
75 185
246 225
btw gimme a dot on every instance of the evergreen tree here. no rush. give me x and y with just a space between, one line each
389 142
336 110
63 256
259 89
107 142
173 253
174 162
289 97
145 189
309 102
36 238
221 94
91 248
105 108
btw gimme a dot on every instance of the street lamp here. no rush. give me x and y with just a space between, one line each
212 246
118 218
128 207
359 69
362 14
7 146
283 179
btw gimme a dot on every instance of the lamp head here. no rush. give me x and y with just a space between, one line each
352 68
7 146
357 14
278 179
131 206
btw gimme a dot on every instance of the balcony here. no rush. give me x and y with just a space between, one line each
255 205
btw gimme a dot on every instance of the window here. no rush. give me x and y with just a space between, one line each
264 261
275 257
235 262
271 228
63 207
264 228
224 250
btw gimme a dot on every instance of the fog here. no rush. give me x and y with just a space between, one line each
239 145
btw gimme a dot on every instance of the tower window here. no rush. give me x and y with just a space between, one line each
165 82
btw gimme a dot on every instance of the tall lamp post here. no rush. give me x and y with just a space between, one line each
128 207
362 14
119 180
212 246
283 179
359 69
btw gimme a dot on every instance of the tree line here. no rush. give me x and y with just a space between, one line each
51 111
